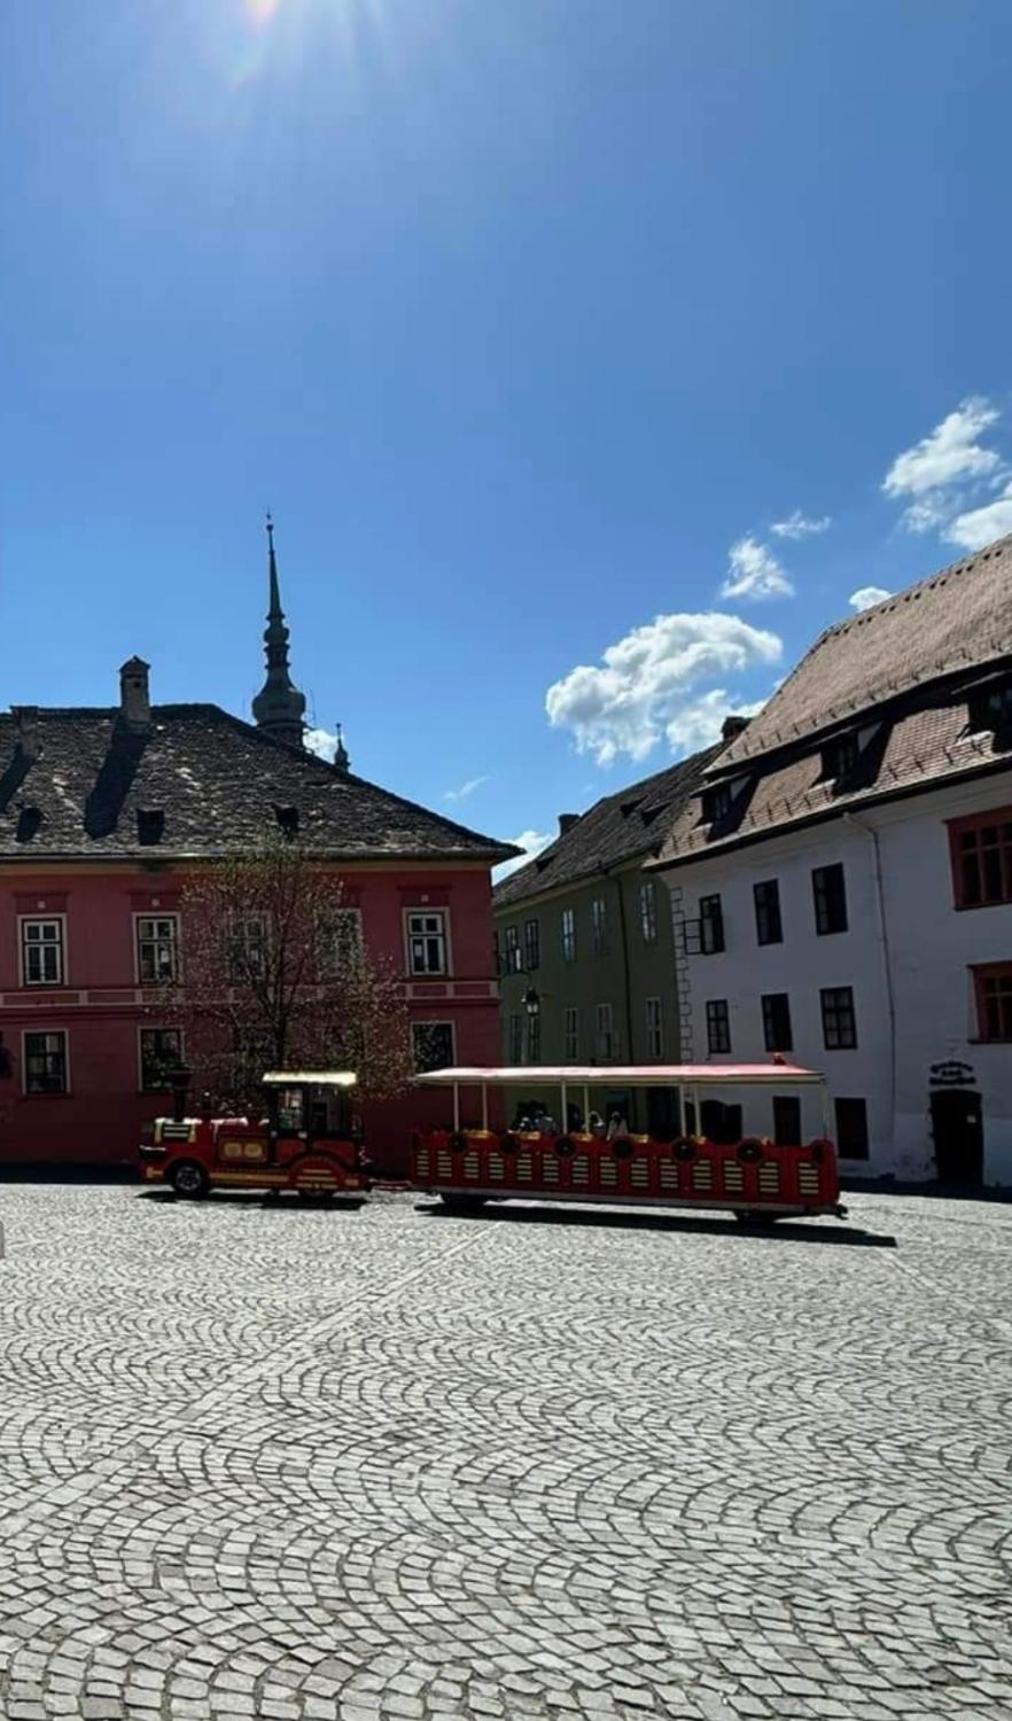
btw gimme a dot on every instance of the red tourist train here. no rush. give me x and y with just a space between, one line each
758 1177
307 1143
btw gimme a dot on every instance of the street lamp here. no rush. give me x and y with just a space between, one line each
532 1001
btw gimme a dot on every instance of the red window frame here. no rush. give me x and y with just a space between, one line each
992 990
981 867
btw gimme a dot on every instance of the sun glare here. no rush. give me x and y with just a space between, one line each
261 11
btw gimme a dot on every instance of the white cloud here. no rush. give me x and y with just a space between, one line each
798 525
698 725
936 471
754 572
321 742
866 597
980 526
532 843
643 683
465 789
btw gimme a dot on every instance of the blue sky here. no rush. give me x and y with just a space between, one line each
531 320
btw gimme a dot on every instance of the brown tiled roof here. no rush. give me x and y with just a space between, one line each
615 831
956 619
919 746
198 783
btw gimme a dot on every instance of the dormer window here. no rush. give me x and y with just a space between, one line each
150 826
990 708
717 803
288 820
840 756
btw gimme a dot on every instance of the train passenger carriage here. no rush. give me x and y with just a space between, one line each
752 1176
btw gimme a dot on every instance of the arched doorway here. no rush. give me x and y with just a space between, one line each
957 1127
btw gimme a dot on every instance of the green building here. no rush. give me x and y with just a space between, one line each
584 942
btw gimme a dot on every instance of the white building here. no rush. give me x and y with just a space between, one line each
842 885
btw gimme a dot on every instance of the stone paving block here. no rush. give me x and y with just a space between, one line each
379 1467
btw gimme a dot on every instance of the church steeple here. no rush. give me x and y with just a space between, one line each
279 707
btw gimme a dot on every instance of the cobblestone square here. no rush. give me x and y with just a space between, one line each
263 1460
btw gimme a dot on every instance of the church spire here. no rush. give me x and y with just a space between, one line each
279 707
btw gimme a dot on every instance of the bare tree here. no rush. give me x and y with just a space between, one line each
275 975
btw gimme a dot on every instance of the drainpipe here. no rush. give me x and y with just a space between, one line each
883 934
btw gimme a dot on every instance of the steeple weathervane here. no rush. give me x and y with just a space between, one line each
279 707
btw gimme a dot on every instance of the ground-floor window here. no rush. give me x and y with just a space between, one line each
787 1120
46 1063
516 1038
852 1128
432 1045
161 1053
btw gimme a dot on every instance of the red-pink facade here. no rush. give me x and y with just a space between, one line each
101 1006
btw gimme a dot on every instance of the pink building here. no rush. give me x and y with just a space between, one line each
102 810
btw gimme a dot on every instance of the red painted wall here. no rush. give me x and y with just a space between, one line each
100 1005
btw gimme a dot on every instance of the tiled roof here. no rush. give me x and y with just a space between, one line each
956 619
198 783
919 747
613 832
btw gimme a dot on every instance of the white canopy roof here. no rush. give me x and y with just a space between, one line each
310 1078
625 1076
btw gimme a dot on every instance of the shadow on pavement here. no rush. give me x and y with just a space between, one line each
280 1202
831 1232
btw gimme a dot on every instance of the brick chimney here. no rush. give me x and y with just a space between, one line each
134 698
26 730
567 821
733 726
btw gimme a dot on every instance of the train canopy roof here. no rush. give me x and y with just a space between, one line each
310 1079
624 1076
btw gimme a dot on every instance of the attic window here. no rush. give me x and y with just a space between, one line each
542 861
990 708
716 803
288 820
630 806
29 820
150 826
840 756
649 814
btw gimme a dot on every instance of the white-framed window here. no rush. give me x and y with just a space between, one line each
157 948
341 940
46 1064
42 950
161 1052
648 910
427 941
432 1046
599 925
605 1031
568 928
247 946
571 1033
513 963
655 1029
516 1038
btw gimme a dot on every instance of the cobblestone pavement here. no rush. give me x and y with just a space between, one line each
267 1461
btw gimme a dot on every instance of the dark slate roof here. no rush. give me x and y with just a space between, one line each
614 832
958 618
198 783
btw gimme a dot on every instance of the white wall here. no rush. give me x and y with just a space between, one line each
931 946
